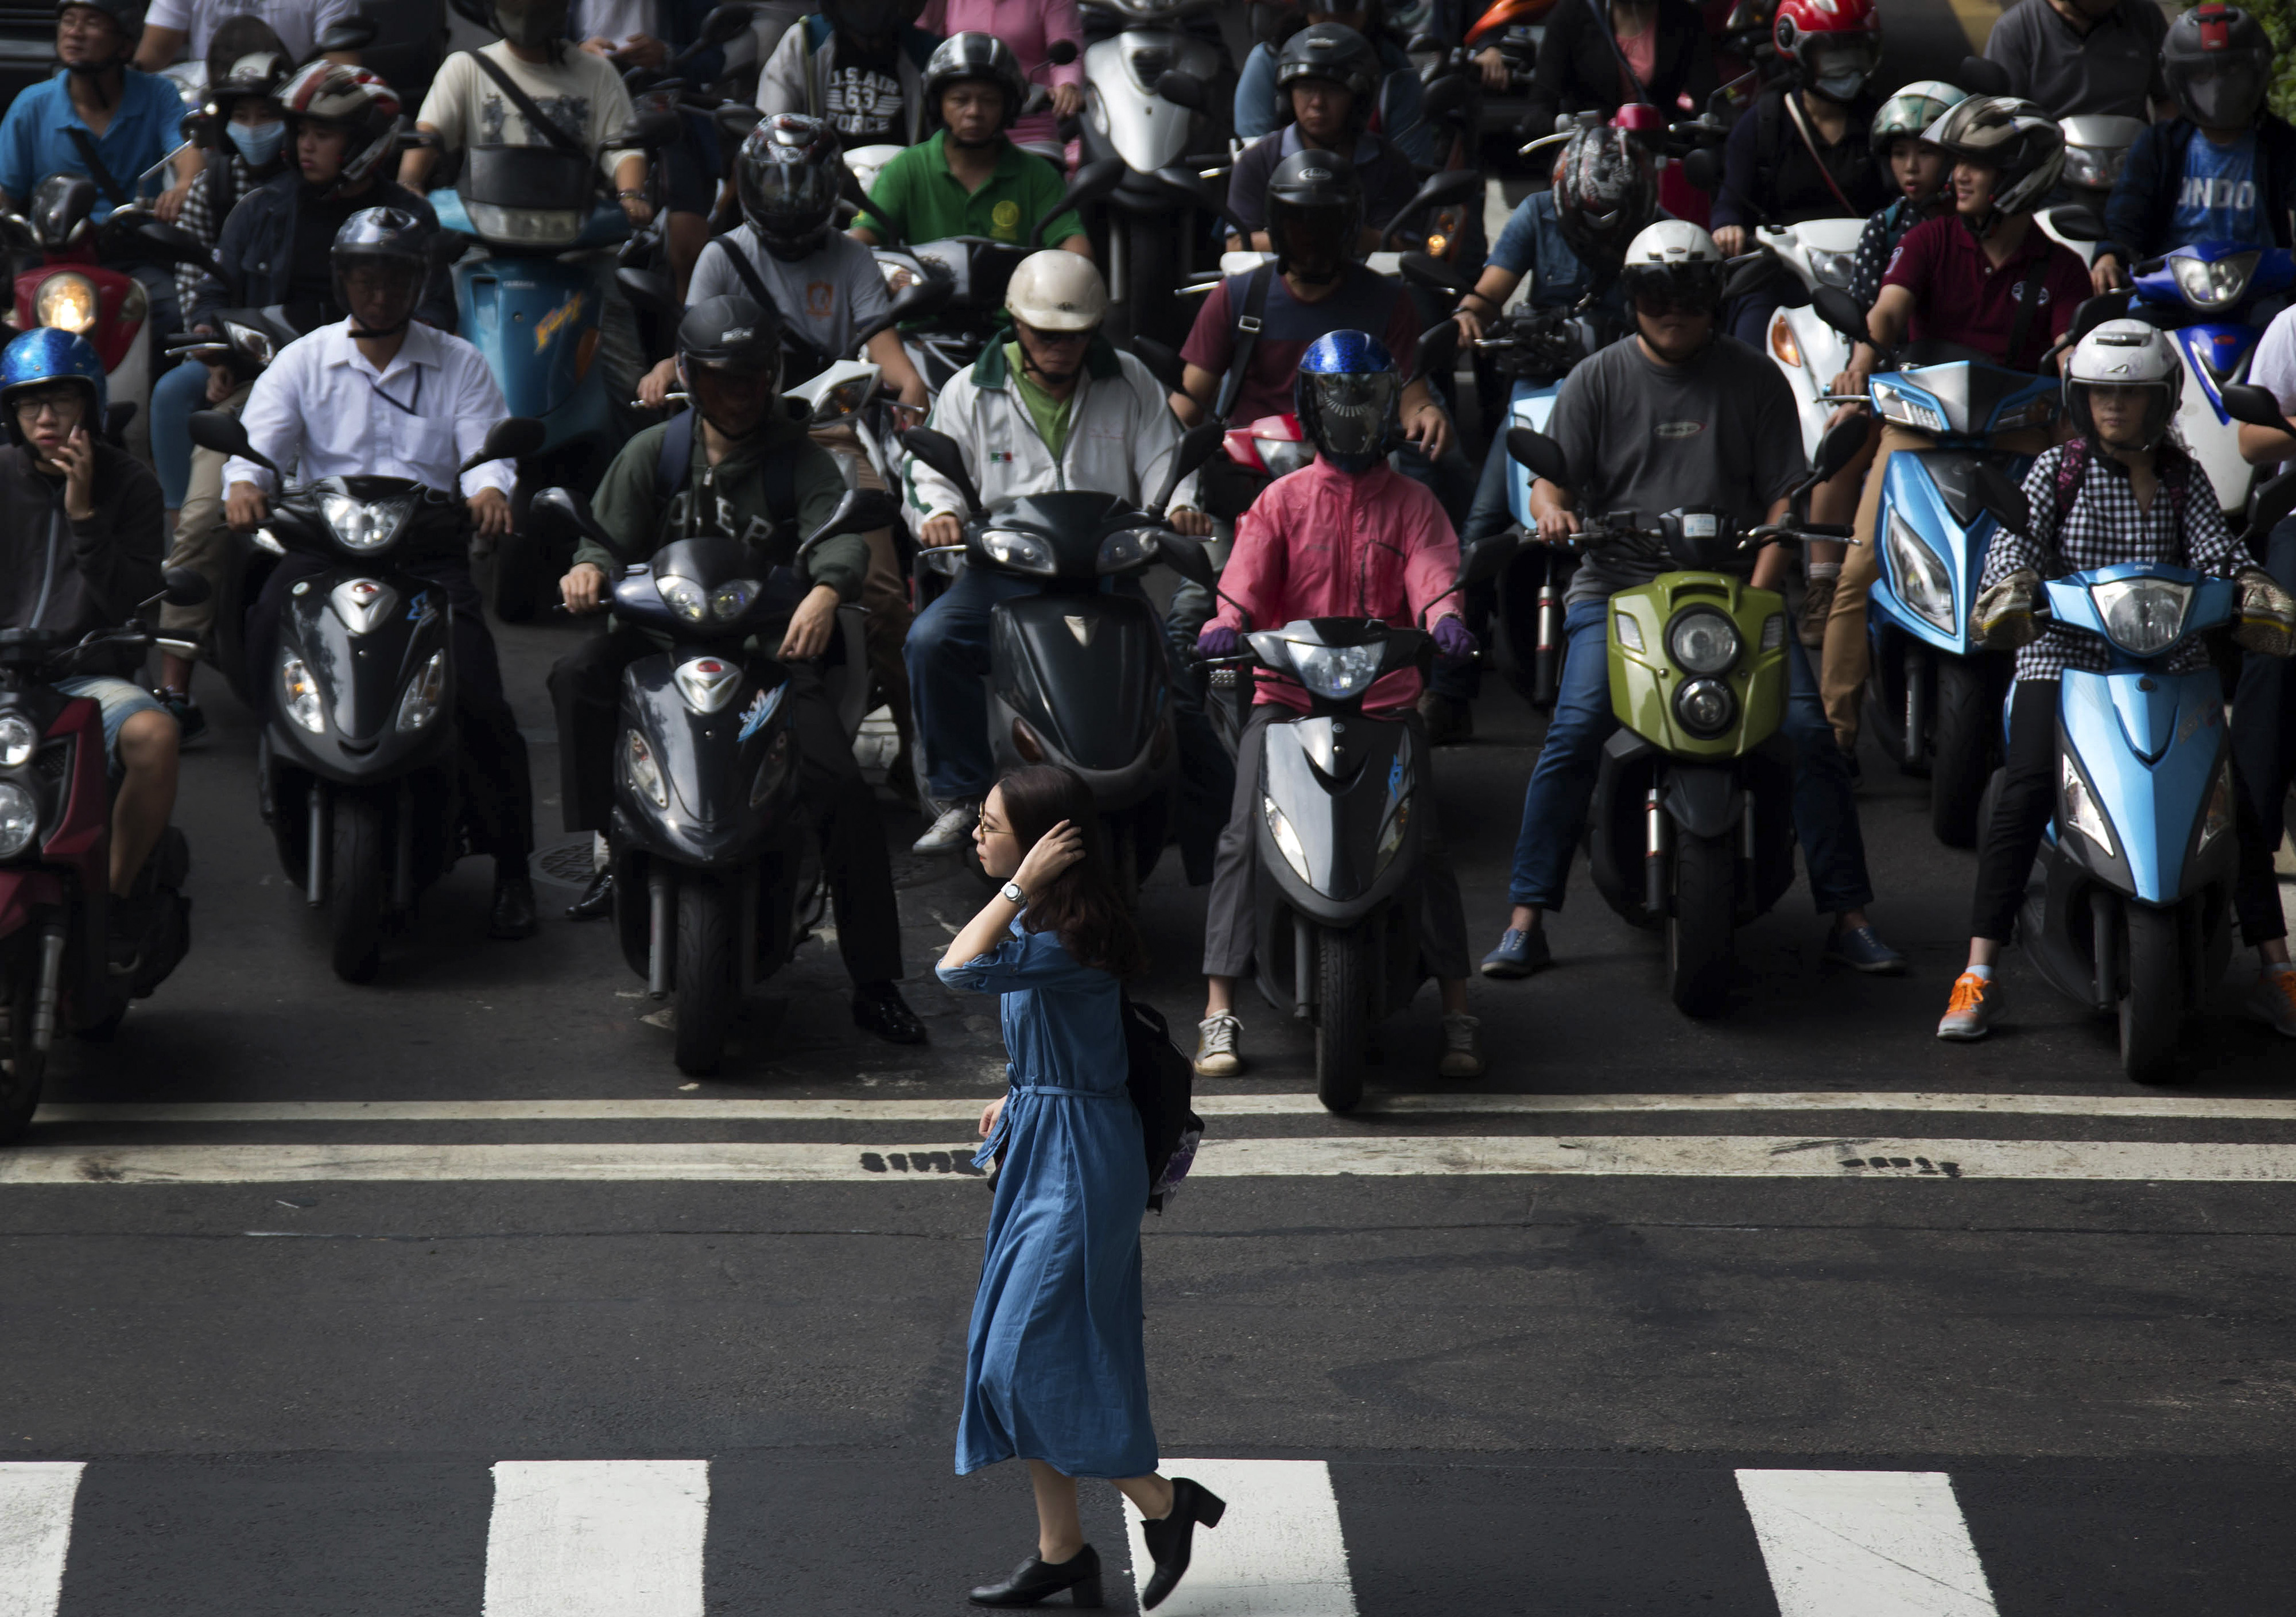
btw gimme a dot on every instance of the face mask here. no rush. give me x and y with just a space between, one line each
259 144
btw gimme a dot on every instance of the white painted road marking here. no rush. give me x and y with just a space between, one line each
597 1538
35 1521
1685 1156
943 1109
1865 1544
1278 1551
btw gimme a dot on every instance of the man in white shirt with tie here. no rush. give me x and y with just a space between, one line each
382 395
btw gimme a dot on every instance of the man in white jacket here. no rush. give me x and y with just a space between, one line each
859 65
1058 408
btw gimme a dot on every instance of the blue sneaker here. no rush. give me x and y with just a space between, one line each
1519 954
1861 949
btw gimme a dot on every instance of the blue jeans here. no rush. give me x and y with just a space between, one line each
120 700
174 397
1562 785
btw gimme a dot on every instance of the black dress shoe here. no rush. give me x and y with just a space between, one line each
879 1008
512 916
597 900
1170 1540
1032 1582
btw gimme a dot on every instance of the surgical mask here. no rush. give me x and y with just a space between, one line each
259 144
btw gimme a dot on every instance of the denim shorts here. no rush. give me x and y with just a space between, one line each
120 701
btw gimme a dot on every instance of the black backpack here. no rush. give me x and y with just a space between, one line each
1163 1085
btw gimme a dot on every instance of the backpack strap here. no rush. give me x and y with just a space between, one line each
2072 471
1247 338
674 463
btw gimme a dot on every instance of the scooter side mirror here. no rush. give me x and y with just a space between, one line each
1982 76
653 130
1438 191
2081 224
2254 406
860 511
185 588
1090 184
1703 168
2002 498
1840 310
1438 351
721 26
512 438
2094 312
1197 445
1061 52
351 34
226 435
117 414
1200 191
1162 360
1443 97
568 509
1482 561
938 451
735 119
1183 90
173 244
1187 556
1434 274
2272 505
651 290
1757 269
1839 448
1540 455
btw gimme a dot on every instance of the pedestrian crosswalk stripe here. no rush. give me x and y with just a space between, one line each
939 1108
1278 1552
1685 1156
36 1518
597 1538
1865 1544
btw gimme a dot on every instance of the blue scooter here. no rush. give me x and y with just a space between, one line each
1933 691
2130 906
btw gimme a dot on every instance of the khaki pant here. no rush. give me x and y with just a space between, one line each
1847 656
202 540
885 592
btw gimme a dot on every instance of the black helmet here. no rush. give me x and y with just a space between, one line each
532 23
389 239
788 175
2217 61
963 56
1315 205
126 16
1605 191
728 337
1336 54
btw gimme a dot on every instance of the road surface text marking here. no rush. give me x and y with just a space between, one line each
1865 1544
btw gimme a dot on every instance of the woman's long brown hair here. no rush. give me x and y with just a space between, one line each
1082 903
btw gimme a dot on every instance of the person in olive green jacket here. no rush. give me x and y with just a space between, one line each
748 468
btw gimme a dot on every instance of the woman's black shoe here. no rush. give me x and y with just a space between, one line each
597 900
1032 1582
1170 1540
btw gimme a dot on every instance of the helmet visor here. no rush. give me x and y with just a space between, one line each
1664 289
378 291
733 396
1315 239
1352 411
787 200
2224 97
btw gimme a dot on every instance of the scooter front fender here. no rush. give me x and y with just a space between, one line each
2157 808
710 765
1336 830
363 678
538 323
1929 514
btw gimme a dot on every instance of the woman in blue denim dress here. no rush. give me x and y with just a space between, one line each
1056 1371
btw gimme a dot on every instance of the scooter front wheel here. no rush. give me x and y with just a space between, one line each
1698 929
2153 1002
707 951
355 904
1342 1005
27 1065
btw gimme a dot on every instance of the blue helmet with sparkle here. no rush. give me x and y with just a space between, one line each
1348 397
50 354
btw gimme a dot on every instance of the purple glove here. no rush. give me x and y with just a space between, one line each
1452 643
1219 640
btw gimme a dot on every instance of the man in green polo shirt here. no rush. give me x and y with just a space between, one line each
969 180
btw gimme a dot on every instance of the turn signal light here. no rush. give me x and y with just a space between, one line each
1025 742
1782 340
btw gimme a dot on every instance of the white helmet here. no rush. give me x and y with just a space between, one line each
2125 354
1677 261
1057 290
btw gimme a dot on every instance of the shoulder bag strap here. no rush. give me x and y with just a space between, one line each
103 176
673 463
536 118
1247 339
1809 145
1618 51
2072 471
753 282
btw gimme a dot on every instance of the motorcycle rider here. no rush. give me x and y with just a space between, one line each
1261 107
1345 536
2083 57
1682 414
380 393
738 465
860 66
2123 491
2224 169
1058 408
1328 78
81 519
173 26
1801 153
1986 278
969 179
2264 707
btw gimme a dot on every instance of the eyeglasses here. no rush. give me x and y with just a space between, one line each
58 402
83 19
1061 338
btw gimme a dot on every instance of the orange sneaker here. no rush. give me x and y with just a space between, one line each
2272 999
1969 1014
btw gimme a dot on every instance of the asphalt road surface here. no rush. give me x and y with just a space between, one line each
450 1295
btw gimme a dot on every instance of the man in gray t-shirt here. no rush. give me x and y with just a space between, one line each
1675 415
2083 57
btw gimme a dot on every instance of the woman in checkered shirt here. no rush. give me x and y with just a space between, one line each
2121 492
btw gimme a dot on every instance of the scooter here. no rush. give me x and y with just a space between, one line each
1336 845
2129 909
717 874
55 864
1814 253
1691 826
1080 674
1934 691
358 768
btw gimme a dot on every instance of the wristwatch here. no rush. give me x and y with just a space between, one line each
1011 894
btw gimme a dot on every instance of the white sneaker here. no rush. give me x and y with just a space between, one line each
1463 1046
2273 1000
1216 1055
951 832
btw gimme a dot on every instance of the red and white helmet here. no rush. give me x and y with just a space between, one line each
1836 45
352 100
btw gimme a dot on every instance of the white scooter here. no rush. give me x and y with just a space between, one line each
1815 253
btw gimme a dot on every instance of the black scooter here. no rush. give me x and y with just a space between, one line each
1336 845
358 767
707 824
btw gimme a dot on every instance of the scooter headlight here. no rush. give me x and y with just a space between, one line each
1833 268
2080 811
1017 551
1123 551
2144 617
683 596
1919 575
1705 707
1287 840
2095 168
525 227
1704 642
1336 672
420 705
299 694
731 599
640 770
2218 285
66 302
20 820
365 525
18 741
